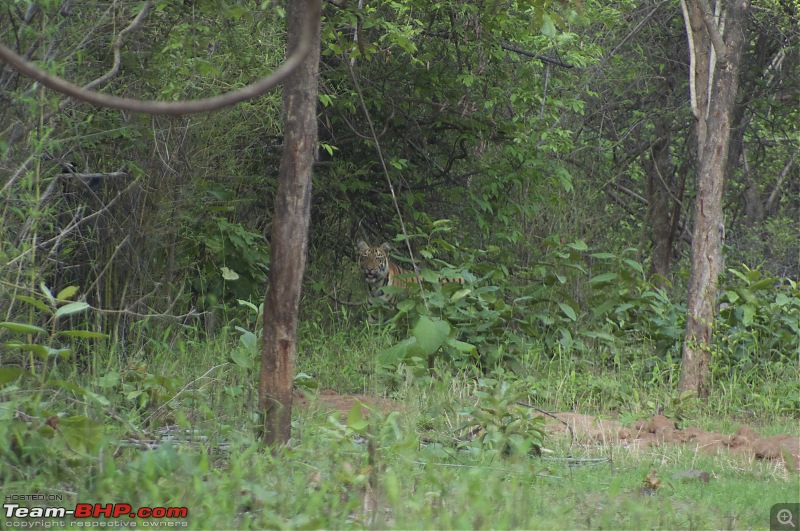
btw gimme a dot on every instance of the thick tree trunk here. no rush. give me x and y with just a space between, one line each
709 229
289 231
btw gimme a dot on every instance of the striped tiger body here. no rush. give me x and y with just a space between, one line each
380 270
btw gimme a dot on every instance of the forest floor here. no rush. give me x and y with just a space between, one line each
596 431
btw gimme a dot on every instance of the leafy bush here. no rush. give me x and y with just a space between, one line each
758 315
501 418
36 434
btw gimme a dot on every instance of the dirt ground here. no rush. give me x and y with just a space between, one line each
658 430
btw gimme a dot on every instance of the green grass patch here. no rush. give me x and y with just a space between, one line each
172 425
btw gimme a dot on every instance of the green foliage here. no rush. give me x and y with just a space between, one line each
47 309
190 441
769 246
758 314
502 419
247 353
231 263
37 433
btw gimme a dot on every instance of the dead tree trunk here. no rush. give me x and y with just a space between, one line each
289 231
715 118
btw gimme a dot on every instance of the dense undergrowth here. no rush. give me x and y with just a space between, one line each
172 422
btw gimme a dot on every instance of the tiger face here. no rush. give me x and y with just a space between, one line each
378 268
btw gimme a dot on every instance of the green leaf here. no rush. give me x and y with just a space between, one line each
62 353
568 311
548 27
355 420
9 374
430 333
738 274
578 245
248 339
397 353
68 386
429 276
72 307
753 275
636 266
242 357
460 294
67 293
229 274
47 294
100 399
248 304
605 336
23 328
82 334
601 279
406 305
763 284
110 379
461 346
305 381
748 314
81 433
34 302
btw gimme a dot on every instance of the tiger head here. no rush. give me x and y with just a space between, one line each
374 262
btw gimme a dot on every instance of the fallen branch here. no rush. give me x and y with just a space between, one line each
110 175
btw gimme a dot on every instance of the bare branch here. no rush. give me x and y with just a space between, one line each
251 91
74 224
773 196
135 23
713 30
110 175
543 58
692 60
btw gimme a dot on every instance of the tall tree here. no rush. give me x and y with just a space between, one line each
290 229
714 77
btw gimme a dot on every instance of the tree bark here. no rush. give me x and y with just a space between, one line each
709 229
659 187
289 230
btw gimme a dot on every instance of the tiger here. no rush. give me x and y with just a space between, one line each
380 270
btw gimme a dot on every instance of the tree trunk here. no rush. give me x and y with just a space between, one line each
659 186
289 231
709 229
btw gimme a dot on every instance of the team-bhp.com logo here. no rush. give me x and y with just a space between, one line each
85 514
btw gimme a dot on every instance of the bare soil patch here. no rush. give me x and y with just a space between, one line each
332 401
588 429
661 430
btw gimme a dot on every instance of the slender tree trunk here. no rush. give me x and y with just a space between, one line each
659 186
713 156
289 232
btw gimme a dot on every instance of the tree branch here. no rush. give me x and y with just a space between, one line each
135 23
251 91
692 60
713 30
779 184
110 175
542 58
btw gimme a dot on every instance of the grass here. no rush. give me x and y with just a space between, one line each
414 477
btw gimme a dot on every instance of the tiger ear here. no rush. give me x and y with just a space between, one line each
386 246
361 246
